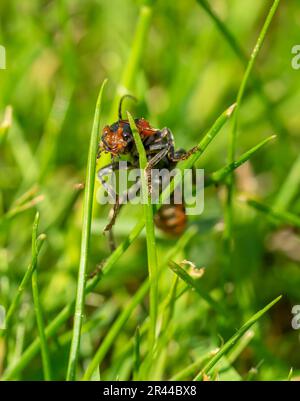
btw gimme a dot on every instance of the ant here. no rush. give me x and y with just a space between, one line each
117 139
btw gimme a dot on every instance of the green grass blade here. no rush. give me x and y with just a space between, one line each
37 305
150 235
60 319
85 239
208 137
137 354
66 312
48 144
115 330
195 284
289 187
31 351
247 74
202 146
176 250
25 159
240 95
27 276
241 54
192 369
226 33
122 319
281 216
223 172
233 340
169 306
290 375
18 209
166 332
236 351
5 123
132 65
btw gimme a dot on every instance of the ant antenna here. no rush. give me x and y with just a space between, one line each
121 102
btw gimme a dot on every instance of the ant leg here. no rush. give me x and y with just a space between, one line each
115 211
152 163
176 156
120 200
111 241
157 158
113 215
105 171
155 147
97 271
109 227
109 169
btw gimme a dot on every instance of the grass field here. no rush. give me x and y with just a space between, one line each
147 314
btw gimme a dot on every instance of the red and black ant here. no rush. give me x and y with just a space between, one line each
117 139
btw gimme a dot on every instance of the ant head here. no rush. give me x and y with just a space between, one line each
117 138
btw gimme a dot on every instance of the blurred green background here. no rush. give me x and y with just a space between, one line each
57 55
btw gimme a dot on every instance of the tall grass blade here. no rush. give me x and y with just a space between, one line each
115 330
223 172
85 240
37 305
241 54
240 95
137 354
233 340
150 234
123 317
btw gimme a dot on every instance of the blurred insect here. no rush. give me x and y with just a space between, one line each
171 219
117 139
